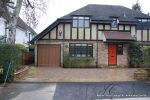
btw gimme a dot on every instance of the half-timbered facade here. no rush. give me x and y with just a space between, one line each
102 32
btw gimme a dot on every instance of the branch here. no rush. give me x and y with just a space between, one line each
7 13
11 6
10 2
30 4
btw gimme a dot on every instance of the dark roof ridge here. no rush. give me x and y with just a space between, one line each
102 5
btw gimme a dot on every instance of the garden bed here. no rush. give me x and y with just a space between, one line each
142 74
21 73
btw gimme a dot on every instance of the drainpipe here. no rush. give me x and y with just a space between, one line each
97 46
63 45
29 40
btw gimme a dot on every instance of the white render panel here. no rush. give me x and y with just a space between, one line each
144 35
67 31
53 34
46 36
133 30
94 31
138 35
60 31
107 27
100 26
87 33
100 35
74 33
81 33
127 27
120 27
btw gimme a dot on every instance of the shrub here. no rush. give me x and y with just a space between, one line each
135 55
75 62
146 57
22 47
9 53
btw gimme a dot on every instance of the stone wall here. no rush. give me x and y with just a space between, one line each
122 60
102 54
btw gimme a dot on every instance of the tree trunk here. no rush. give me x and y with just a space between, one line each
13 22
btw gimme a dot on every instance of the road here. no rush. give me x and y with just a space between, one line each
76 91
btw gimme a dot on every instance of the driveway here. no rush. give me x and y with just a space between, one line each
53 74
77 91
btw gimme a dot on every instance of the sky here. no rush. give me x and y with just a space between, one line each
58 8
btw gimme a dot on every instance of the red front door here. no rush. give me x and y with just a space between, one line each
112 57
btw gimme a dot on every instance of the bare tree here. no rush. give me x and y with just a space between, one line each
12 10
33 10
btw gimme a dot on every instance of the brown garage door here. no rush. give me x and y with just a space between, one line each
48 55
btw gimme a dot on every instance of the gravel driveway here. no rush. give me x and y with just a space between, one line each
48 74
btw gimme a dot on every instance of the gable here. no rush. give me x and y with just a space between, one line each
100 20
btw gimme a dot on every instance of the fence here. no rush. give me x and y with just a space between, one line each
26 57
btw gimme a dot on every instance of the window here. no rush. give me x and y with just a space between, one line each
81 21
120 49
81 50
75 21
143 20
115 22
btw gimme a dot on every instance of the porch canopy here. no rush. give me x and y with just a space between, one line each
115 36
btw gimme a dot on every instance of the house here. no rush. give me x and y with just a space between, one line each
101 32
24 33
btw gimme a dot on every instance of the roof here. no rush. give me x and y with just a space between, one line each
105 12
143 25
99 14
23 25
118 36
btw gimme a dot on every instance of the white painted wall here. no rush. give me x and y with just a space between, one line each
21 37
2 26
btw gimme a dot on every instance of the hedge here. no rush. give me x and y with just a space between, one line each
77 62
9 53
135 55
146 56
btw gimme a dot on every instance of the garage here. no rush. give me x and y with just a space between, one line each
48 55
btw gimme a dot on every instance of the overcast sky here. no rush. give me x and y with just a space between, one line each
58 8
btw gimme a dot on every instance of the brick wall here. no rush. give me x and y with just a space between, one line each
122 60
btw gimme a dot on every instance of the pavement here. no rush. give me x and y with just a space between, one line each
77 91
58 74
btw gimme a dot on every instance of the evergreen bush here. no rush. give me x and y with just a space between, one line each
9 53
146 56
135 55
